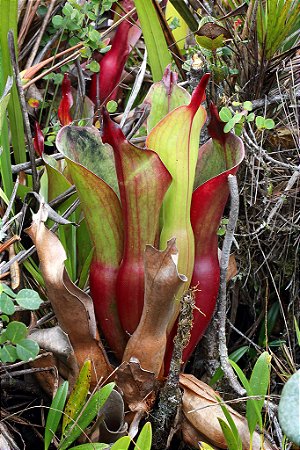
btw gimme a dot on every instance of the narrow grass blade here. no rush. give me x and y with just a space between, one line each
159 56
55 413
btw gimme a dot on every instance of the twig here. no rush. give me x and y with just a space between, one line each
26 372
15 67
11 202
222 303
166 416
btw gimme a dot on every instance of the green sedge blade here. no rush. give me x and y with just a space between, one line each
78 395
55 413
87 415
144 440
159 56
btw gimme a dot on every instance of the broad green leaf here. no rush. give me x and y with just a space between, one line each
225 114
164 96
8 353
103 215
144 439
16 331
259 383
178 148
89 412
289 408
6 304
210 44
248 106
159 56
29 299
260 122
122 444
7 290
143 183
254 409
27 349
269 124
229 125
55 413
78 395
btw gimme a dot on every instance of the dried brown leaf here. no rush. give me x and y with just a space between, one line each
202 410
137 385
73 307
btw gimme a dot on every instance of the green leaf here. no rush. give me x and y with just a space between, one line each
111 106
94 66
269 124
289 408
6 304
122 444
90 411
29 299
4 318
260 122
57 21
259 383
144 440
229 125
234 431
297 330
250 117
78 396
225 114
210 44
159 56
55 413
16 331
228 434
7 290
27 349
248 106
234 356
8 353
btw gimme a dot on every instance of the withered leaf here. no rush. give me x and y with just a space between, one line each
162 282
212 30
137 385
201 409
73 307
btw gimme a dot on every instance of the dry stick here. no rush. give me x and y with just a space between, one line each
165 418
41 34
15 67
222 303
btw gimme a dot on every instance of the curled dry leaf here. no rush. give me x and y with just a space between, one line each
137 385
162 282
201 410
73 307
